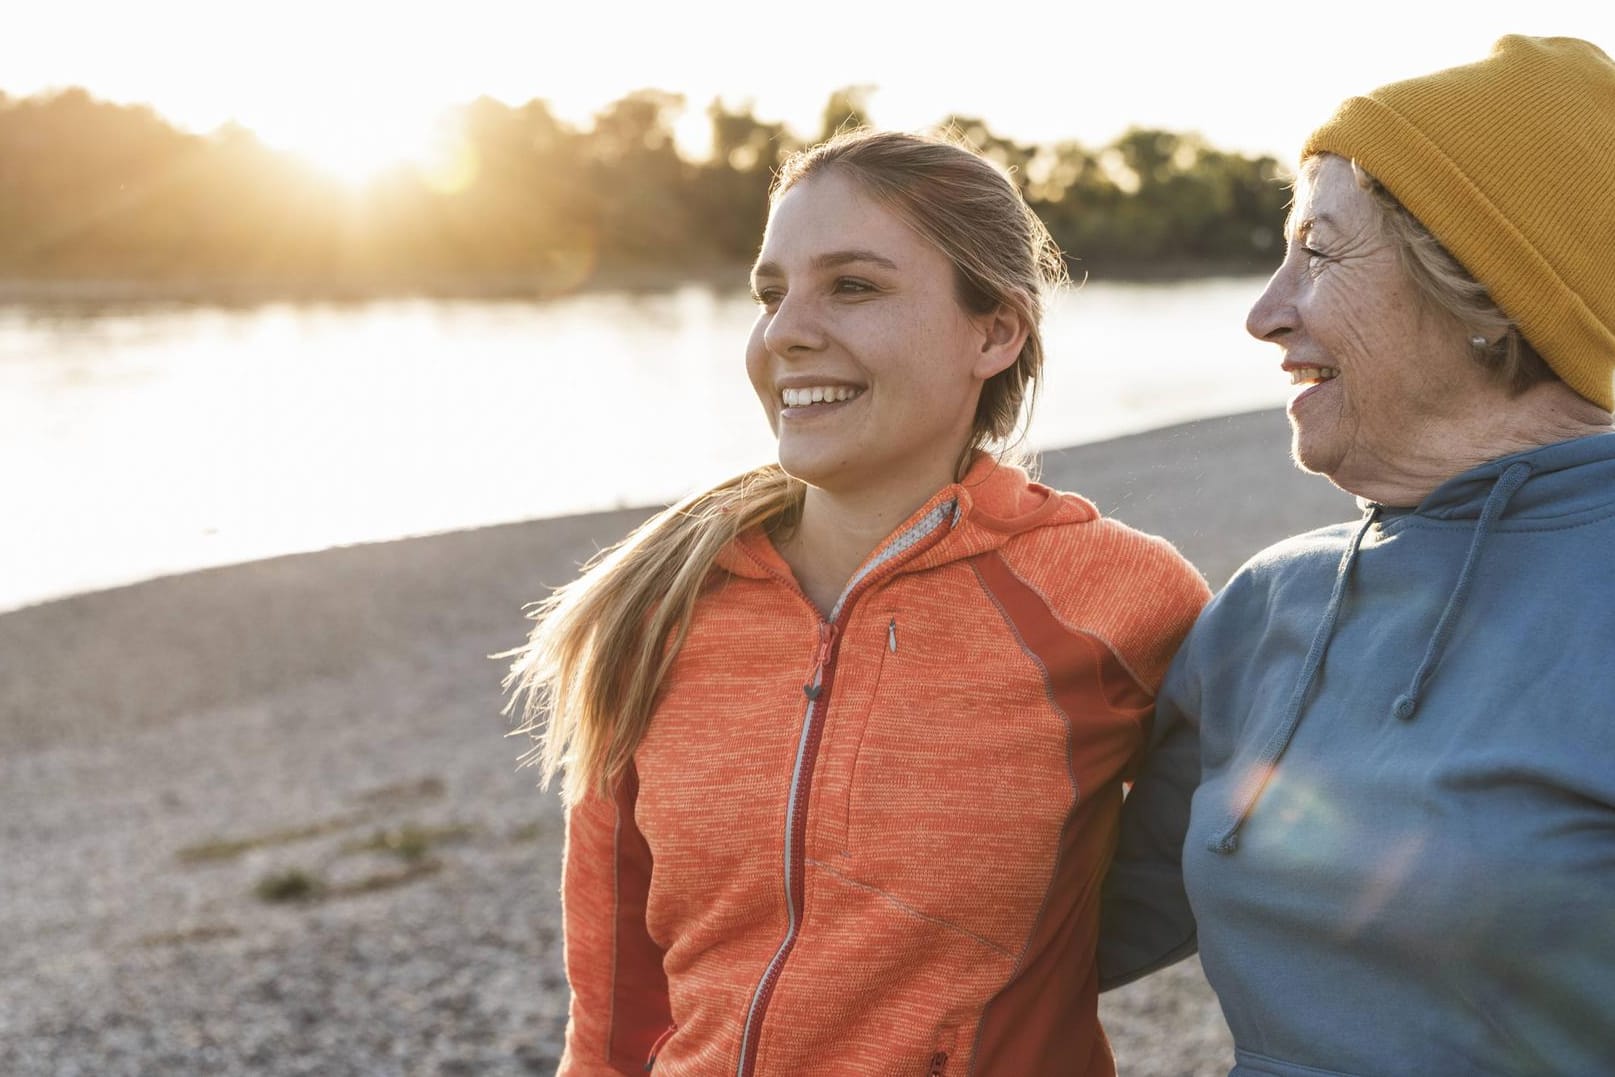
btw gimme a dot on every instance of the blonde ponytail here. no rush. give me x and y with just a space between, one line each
586 680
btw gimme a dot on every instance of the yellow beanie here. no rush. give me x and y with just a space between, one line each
1510 163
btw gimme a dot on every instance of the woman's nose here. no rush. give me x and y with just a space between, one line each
795 325
1273 313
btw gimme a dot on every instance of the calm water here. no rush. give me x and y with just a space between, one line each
142 440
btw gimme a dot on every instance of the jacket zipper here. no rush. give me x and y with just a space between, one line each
807 751
821 658
817 691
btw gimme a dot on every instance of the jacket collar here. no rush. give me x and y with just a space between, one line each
1567 477
993 502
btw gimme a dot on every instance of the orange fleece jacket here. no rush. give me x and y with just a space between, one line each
874 844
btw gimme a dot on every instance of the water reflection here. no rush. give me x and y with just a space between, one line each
146 439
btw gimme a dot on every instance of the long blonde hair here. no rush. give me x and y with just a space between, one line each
586 680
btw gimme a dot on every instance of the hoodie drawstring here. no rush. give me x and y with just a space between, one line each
1262 769
1510 481
1407 703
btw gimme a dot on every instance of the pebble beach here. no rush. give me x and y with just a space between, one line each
268 819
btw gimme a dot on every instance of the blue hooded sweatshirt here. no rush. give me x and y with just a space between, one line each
1401 854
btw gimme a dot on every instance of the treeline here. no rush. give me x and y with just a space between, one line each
96 191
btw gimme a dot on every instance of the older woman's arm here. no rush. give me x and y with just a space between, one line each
1145 922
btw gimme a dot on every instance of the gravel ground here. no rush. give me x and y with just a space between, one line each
264 820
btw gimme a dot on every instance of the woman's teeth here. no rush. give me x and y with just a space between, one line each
818 394
1308 375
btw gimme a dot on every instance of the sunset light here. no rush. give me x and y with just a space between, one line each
352 150
364 363
355 87
359 144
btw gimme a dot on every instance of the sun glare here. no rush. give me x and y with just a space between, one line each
360 147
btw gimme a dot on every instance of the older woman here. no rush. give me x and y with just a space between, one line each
1401 854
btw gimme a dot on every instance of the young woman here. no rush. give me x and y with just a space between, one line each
845 738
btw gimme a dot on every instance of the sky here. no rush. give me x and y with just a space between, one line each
357 84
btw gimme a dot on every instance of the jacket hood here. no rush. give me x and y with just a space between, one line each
1567 477
992 503
1543 487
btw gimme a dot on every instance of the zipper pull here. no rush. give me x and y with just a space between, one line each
891 636
939 1064
656 1048
827 639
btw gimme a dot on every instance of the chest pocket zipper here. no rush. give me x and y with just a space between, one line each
656 1048
841 833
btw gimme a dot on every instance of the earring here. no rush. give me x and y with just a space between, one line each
1479 344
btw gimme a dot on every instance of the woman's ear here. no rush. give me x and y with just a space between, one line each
1003 333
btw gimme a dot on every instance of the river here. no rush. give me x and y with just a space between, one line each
145 439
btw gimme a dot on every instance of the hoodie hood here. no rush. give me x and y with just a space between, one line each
1567 478
1545 487
992 503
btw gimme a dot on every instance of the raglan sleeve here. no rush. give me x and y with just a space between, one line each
1146 923
619 1007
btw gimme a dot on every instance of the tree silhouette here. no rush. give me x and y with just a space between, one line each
848 108
731 191
518 201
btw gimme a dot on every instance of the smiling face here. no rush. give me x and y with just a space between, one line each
866 364
1379 373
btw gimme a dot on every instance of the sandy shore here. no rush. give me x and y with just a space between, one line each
176 754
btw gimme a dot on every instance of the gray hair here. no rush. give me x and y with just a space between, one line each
1496 343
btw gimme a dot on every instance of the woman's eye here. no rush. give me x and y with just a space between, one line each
1316 259
852 286
767 297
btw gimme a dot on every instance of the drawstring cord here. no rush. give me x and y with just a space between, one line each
1512 479
1228 841
1407 703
